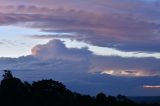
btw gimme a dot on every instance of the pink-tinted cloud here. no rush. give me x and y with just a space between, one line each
115 66
152 86
130 73
55 60
55 49
128 24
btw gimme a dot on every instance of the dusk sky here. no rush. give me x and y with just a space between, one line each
110 46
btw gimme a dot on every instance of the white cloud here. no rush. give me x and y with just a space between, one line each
56 49
102 51
130 73
152 86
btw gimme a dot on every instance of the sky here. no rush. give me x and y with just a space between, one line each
114 45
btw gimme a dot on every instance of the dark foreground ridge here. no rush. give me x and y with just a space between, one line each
14 92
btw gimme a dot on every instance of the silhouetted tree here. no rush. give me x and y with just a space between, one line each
52 93
12 89
7 74
101 99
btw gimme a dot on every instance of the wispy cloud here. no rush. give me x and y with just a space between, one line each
152 86
105 51
1 43
129 73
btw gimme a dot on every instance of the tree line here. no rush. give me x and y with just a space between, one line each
14 92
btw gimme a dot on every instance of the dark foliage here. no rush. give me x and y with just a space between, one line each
14 92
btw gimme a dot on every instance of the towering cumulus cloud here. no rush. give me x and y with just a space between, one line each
80 65
56 49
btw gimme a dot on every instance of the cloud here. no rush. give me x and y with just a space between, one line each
125 25
1 43
11 43
57 50
73 65
116 66
112 65
129 73
102 51
152 87
122 25
118 63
